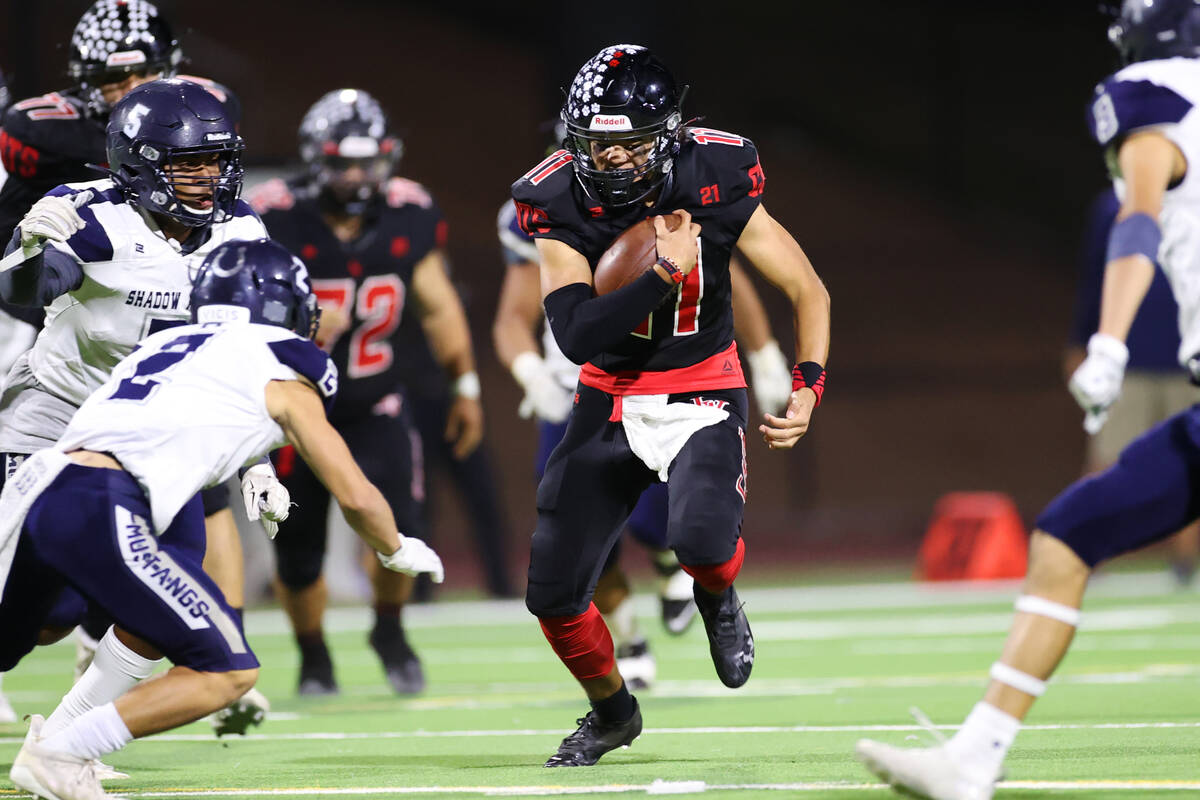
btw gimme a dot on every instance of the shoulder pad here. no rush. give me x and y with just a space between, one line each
402 192
723 160
47 107
273 195
91 243
310 361
1122 105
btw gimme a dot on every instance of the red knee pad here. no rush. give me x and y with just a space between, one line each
716 578
582 642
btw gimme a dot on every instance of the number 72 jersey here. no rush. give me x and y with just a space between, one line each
718 179
364 282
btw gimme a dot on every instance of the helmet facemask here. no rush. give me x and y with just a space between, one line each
162 183
619 186
345 143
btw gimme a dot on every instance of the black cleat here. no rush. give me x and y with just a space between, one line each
316 672
400 663
729 637
594 738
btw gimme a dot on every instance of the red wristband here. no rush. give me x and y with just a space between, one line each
674 271
809 375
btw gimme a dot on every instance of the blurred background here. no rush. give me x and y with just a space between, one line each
931 158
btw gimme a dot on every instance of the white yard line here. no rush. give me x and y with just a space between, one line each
703 731
656 788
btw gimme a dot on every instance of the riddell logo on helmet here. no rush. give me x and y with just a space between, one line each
610 122
125 58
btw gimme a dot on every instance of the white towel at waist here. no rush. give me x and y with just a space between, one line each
658 430
26 485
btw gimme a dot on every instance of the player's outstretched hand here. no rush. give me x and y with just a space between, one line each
782 433
464 425
53 218
1096 383
679 245
265 497
414 557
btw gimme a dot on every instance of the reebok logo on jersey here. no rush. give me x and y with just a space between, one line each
141 298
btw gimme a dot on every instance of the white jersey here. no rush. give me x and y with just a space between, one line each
188 408
519 248
1164 96
134 283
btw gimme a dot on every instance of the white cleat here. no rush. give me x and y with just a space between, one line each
104 772
929 772
53 775
677 603
236 718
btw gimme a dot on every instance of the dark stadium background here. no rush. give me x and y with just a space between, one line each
931 158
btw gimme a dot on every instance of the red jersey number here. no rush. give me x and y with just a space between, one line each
373 314
687 303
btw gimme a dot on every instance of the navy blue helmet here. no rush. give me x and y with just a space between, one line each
115 39
261 277
1150 29
623 96
163 139
345 129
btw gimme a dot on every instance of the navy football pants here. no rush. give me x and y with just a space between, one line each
90 531
1150 493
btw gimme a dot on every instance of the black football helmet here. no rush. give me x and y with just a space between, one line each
347 128
263 278
165 121
623 95
1148 29
116 38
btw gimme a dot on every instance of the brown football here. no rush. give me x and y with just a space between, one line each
630 255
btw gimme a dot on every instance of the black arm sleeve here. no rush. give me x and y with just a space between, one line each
40 279
585 326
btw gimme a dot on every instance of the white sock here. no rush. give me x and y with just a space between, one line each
984 738
96 733
622 624
114 671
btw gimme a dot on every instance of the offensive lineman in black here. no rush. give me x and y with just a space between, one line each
369 240
661 394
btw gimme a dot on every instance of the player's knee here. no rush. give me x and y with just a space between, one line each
51 634
299 570
229 686
1054 563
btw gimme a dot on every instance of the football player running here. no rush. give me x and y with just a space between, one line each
113 260
549 380
1145 117
112 509
370 241
47 141
662 394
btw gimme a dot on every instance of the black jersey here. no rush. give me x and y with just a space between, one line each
718 179
368 279
50 140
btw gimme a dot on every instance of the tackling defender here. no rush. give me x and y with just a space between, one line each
662 395
112 509
1146 118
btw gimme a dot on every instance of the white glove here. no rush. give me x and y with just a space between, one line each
770 378
413 557
265 497
544 395
1096 384
53 218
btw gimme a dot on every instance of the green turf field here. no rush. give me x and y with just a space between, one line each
835 663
